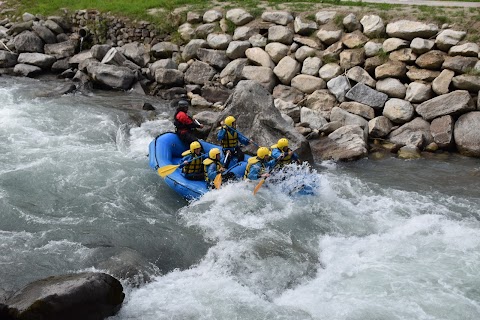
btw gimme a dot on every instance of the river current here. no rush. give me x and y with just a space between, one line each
379 239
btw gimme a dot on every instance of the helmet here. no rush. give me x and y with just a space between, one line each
183 103
262 152
195 145
282 143
229 120
213 153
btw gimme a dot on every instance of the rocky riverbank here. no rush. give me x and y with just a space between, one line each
343 83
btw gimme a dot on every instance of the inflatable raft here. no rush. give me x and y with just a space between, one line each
167 148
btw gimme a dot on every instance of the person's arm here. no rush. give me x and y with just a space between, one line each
184 161
254 171
276 153
186 120
212 171
221 134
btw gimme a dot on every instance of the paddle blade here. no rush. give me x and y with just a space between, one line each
217 182
258 186
166 170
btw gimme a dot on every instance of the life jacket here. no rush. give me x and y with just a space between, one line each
195 166
251 161
286 160
179 126
208 162
230 140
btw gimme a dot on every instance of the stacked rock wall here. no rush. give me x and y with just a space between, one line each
408 82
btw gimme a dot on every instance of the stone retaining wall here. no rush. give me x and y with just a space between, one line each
410 83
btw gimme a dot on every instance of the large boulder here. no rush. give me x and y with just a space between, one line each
111 76
28 41
344 144
453 103
82 296
258 118
467 134
414 133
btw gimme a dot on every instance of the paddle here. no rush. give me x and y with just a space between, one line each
170 168
217 182
256 145
259 185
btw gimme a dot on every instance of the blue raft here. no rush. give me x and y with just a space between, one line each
167 148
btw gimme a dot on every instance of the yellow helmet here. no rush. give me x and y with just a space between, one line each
282 143
212 154
229 120
262 152
195 145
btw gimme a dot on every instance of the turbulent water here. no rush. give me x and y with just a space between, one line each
389 239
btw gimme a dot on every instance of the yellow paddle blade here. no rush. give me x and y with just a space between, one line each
166 170
217 182
258 186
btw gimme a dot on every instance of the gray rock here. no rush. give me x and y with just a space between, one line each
431 60
137 53
406 29
232 73
420 46
418 92
358 109
219 41
111 76
86 296
454 103
26 70
398 110
99 51
257 56
468 49
288 108
236 49
352 57
45 34
244 33
467 134
277 17
170 77
329 71
288 94
379 127
344 144
216 58
61 50
392 87
20 27
304 26
312 118
239 16
347 118
190 50
114 57
366 95
286 69
358 74
321 101
392 44
276 51
442 131
323 17
163 50
307 84
62 65
459 64
41 60
415 132
212 16
373 26
28 41
280 34
255 111
441 84
7 59
262 75
338 86
199 73
52 25
467 82
448 38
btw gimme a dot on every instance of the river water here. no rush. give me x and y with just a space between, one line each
380 239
